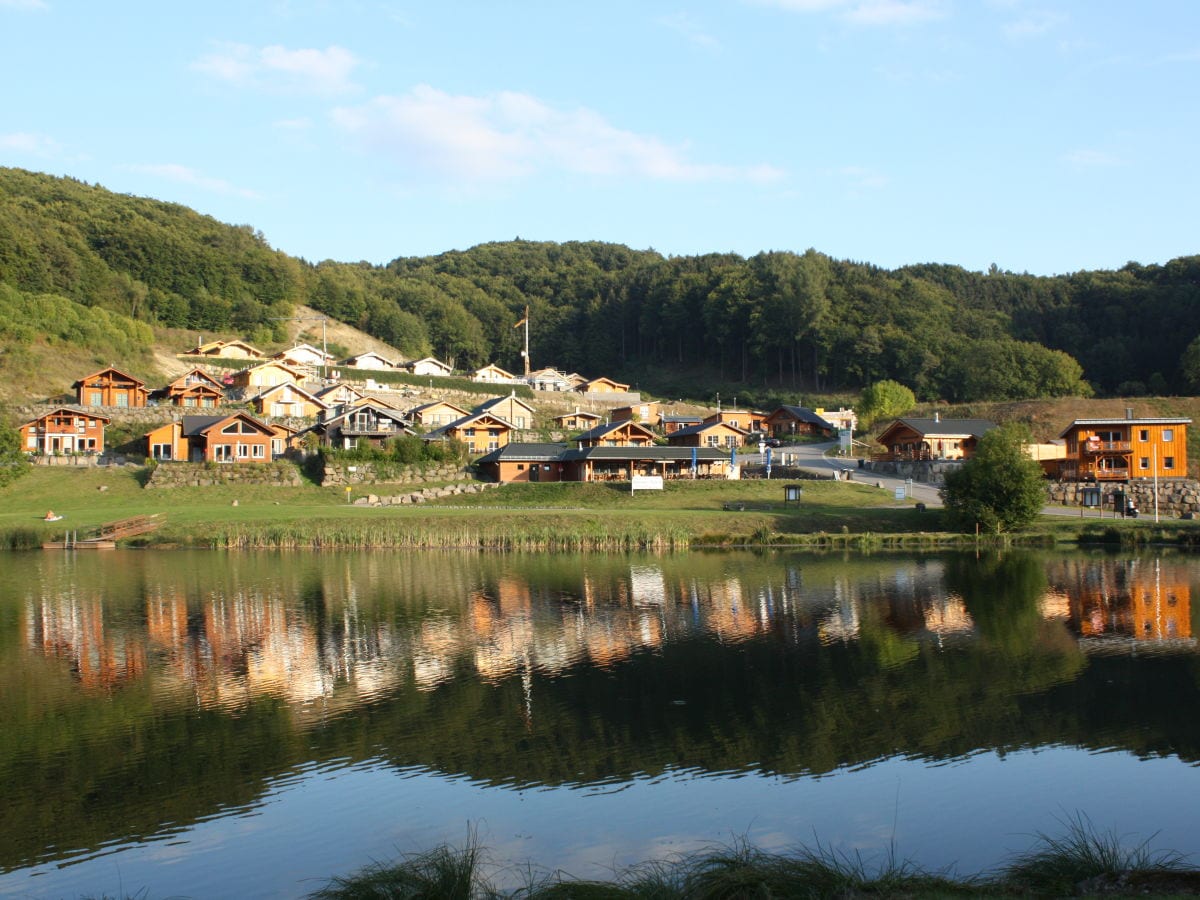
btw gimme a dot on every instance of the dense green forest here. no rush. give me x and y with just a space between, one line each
774 324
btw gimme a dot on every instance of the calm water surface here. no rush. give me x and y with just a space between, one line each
216 725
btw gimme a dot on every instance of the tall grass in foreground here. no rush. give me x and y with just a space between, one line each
1081 862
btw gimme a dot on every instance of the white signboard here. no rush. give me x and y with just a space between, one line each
646 483
899 493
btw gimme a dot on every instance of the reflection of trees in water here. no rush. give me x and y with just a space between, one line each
522 670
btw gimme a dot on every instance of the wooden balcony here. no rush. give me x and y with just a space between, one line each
1091 448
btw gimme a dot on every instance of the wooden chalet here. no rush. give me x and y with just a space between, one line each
936 438
266 375
672 422
617 434
304 355
559 462
708 434
111 387
340 394
745 419
429 366
225 350
362 425
550 379
239 438
288 401
480 432
603 385
1121 449
436 414
647 413
371 361
64 430
511 409
792 421
284 438
577 420
493 374
195 388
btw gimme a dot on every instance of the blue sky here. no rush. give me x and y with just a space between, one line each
1040 135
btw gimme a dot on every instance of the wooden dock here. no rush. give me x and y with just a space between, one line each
106 536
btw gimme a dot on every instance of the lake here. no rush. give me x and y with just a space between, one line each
210 724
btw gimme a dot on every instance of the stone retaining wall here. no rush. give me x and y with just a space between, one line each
1175 498
342 473
184 474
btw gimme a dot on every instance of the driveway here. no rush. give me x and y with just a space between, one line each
818 459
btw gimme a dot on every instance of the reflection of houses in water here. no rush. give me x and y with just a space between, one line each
1138 599
68 628
1055 605
948 616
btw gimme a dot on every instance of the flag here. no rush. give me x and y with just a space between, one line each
693 461
522 322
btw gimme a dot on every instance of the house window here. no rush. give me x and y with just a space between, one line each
223 452
276 447
1144 434
259 451
520 421
730 440
470 432
520 467
1168 434
1168 462
230 429
713 440
160 451
1144 462
243 451
189 401
122 399
97 398
494 432
493 445
31 442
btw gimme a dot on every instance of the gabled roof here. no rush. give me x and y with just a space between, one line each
137 383
804 414
193 426
424 406
578 414
607 428
350 361
943 427
677 419
73 410
703 427
519 452
380 410
429 359
465 421
336 388
1088 423
603 380
195 376
487 405
263 395
652 453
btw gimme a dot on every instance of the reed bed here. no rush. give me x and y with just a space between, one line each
1083 862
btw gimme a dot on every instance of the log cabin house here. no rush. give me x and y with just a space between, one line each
226 439
111 387
64 430
936 438
1121 449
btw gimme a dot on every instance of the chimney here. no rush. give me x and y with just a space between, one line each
937 417
1129 412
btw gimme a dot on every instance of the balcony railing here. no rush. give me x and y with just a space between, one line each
1093 447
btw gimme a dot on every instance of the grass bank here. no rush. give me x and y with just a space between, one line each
546 517
1080 863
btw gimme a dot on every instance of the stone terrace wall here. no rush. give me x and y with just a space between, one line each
343 473
183 474
1175 498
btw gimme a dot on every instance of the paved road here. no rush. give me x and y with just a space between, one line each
818 459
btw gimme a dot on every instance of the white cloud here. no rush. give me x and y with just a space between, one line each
509 135
861 178
303 123
866 12
188 175
33 144
325 71
1091 158
1034 23
686 26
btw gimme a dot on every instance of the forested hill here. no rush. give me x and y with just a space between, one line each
778 321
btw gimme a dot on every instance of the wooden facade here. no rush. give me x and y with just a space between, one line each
64 430
493 374
745 419
266 375
367 424
194 389
288 401
577 420
481 433
603 385
559 462
436 414
793 421
1121 449
226 350
238 438
936 438
111 387
617 434
511 409
708 434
